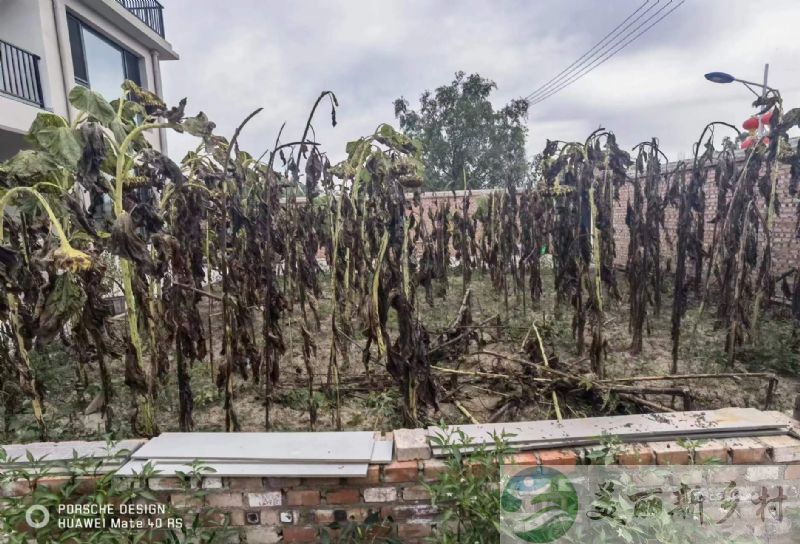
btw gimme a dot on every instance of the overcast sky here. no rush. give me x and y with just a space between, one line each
243 54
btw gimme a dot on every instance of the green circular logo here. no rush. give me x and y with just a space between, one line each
539 504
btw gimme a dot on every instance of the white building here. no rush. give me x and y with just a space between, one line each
49 46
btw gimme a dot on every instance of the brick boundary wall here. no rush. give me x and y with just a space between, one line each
291 510
785 242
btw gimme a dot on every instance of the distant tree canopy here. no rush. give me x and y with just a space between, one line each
462 133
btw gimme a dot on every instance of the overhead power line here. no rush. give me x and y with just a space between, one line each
618 46
600 61
591 53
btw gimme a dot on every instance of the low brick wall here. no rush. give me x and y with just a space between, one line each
270 510
294 510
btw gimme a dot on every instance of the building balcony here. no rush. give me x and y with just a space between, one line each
150 12
19 75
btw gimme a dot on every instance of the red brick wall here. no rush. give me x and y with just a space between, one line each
785 244
295 510
270 510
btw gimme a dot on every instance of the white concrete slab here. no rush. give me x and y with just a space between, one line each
382 452
584 442
48 452
323 447
739 419
577 432
282 470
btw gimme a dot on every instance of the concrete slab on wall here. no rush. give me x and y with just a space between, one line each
382 452
281 470
543 434
49 452
322 447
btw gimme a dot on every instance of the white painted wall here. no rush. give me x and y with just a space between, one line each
20 25
40 26
16 116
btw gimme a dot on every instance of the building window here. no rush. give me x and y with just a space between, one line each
99 63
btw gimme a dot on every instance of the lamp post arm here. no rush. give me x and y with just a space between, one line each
760 85
749 88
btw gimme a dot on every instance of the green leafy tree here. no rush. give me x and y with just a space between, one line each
462 134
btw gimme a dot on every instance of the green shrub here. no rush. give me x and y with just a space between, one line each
467 493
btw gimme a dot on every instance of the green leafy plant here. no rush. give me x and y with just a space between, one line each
691 446
468 492
606 453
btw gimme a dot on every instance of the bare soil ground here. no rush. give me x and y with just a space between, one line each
374 403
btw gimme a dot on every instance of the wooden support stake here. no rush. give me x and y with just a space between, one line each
773 384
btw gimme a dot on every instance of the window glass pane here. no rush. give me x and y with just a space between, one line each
132 68
76 45
105 65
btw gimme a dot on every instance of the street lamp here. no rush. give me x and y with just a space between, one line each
722 77
756 126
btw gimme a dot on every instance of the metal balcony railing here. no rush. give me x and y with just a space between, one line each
19 74
150 12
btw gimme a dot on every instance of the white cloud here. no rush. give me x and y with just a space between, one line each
281 56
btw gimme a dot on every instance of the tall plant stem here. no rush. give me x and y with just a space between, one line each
376 283
411 393
184 390
333 364
231 422
773 187
146 402
25 367
679 298
269 352
698 180
210 300
597 334
465 259
735 321
105 378
718 249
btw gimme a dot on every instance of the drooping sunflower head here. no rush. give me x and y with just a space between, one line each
69 258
